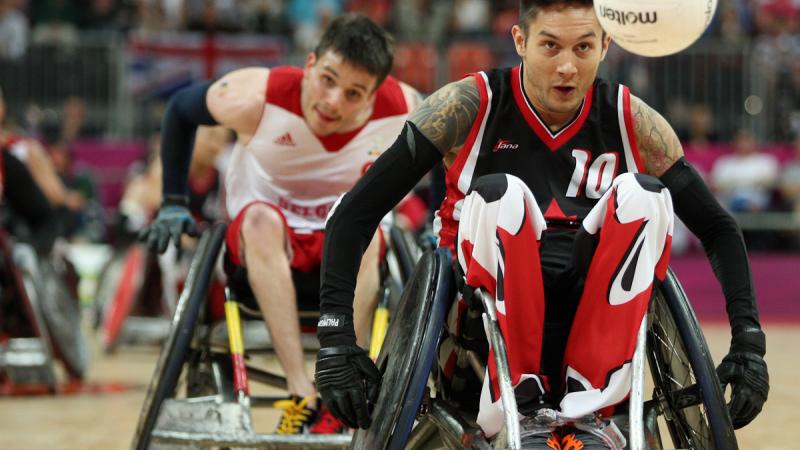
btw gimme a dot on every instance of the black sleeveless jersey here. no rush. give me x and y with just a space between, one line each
567 171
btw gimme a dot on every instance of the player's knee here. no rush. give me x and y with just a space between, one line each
643 193
491 187
264 225
639 181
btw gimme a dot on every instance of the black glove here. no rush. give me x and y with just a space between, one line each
348 382
172 221
745 370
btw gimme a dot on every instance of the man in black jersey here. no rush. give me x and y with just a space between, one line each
560 196
27 210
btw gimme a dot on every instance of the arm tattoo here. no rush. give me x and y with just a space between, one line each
658 144
447 115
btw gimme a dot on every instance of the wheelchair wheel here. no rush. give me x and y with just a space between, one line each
61 312
175 350
686 385
406 251
408 353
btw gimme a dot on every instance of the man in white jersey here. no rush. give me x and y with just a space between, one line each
304 137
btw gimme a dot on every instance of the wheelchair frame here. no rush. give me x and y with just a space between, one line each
687 392
52 320
220 417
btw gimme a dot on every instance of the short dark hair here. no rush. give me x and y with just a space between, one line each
529 9
361 42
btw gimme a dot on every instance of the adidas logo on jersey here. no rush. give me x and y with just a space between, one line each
504 144
285 139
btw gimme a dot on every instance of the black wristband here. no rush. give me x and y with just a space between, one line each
335 330
175 200
748 339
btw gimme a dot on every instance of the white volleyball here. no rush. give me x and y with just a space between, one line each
655 27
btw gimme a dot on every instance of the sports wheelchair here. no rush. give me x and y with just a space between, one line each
39 320
199 394
412 411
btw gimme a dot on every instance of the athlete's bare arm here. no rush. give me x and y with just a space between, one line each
446 117
236 100
659 146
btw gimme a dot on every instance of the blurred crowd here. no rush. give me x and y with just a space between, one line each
410 20
748 175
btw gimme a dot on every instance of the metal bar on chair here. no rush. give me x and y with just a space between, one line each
236 341
454 429
636 409
503 372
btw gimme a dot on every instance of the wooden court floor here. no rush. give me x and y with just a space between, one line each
107 421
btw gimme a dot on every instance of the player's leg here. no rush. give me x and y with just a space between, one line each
258 240
500 228
622 247
266 257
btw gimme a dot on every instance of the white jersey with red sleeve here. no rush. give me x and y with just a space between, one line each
285 164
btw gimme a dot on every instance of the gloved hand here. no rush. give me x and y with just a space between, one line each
348 382
172 221
745 370
747 374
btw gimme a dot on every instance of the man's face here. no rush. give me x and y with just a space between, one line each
337 96
561 53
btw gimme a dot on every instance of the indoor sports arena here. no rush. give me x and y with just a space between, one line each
399 224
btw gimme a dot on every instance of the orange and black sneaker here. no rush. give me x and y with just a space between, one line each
554 441
564 438
297 417
544 440
326 423
574 439
570 442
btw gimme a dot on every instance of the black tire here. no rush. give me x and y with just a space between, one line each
401 245
686 383
107 283
408 354
62 315
175 351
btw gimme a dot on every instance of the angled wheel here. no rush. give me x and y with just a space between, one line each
62 314
408 352
175 351
687 389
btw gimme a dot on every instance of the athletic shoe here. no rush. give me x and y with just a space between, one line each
574 439
564 438
297 417
546 440
326 423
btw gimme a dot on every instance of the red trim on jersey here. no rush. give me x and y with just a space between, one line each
541 130
389 100
626 112
461 159
284 90
449 228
